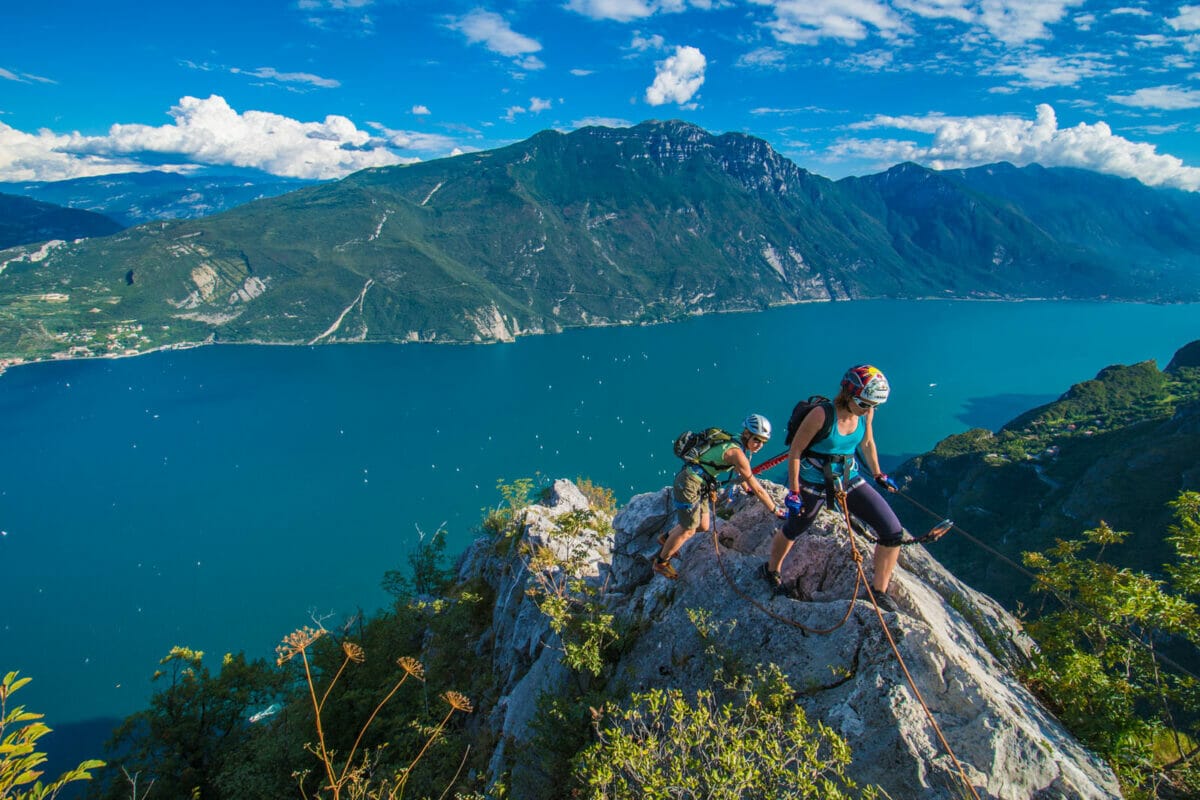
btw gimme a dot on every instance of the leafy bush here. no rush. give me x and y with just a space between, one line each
184 740
20 730
758 745
1100 662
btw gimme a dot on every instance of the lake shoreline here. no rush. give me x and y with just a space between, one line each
212 340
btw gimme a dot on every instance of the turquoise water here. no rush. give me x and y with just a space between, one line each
220 497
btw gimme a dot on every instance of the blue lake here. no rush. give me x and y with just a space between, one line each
219 497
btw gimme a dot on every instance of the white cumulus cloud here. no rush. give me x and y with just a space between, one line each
494 32
203 131
678 77
970 141
420 111
42 156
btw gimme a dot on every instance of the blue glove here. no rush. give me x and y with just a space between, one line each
885 481
794 504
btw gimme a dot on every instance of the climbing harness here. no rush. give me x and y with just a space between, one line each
936 532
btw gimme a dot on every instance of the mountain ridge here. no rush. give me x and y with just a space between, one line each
599 226
1116 448
27 221
135 198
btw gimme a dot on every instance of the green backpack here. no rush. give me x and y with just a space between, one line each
691 446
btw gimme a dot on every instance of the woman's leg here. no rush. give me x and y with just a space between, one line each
869 506
782 541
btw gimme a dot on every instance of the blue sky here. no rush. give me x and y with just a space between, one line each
320 88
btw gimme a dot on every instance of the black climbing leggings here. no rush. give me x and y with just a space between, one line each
862 500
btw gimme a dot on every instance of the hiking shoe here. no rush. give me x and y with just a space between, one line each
665 569
773 578
882 601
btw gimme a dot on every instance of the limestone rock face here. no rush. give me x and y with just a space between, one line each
1010 746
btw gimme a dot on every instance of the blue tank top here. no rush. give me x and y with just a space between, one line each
834 444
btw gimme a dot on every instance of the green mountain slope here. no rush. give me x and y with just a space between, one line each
1116 448
23 221
599 226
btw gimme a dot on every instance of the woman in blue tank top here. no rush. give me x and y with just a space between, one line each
818 467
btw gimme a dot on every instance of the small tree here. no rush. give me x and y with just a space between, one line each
1099 662
427 574
193 723
757 746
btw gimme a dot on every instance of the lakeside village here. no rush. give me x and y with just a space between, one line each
123 339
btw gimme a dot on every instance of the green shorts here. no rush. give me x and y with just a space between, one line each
691 500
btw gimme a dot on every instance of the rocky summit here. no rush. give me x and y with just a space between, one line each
960 648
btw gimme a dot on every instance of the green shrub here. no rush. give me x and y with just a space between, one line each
759 745
20 730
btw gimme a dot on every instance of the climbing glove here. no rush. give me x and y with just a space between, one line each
885 481
794 504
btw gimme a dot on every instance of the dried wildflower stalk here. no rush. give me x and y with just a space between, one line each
350 776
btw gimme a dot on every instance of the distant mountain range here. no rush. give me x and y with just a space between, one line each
598 226
23 221
137 197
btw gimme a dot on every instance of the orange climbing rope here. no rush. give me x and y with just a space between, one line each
862 578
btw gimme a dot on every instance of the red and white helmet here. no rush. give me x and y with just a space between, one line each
867 383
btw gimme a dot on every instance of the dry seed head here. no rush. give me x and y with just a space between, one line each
413 667
354 652
459 702
297 642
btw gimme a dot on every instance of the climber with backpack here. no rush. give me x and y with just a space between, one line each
827 437
706 457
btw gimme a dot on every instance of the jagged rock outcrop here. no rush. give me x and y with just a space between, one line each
959 646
